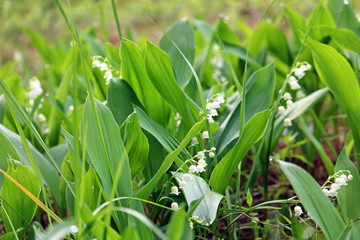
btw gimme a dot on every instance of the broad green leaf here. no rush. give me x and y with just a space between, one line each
134 72
136 144
47 170
106 156
259 95
344 15
277 43
322 18
203 27
319 206
112 54
145 192
160 70
10 235
19 207
95 48
253 131
166 139
197 188
345 38
121 99
297 23
178 227
130 233
6 150
240 52
90 190
106 152
350 232
336 73
350 193
182 35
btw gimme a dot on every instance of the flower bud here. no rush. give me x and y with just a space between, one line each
298 211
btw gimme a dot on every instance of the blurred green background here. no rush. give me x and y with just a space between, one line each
44 17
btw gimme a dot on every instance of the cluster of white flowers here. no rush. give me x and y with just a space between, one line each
299 73
34 88
218 64
212 105
99 62
198 167
336 181
33 92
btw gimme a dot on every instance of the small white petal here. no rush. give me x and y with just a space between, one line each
104 67
201 155
174 206
194 141
340 181
213 112
287 96
303 68
202 162
332 193
289 103
281 110
174 190
200 168
95 64
210 119
343 176
182 184
287 122
187 177
209 106
205 135
335 186
292 79
298 211
220 99
192 169
326 192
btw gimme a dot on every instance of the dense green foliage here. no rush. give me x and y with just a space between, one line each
205 136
